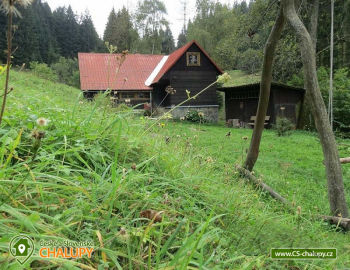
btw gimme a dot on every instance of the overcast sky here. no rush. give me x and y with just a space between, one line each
100 10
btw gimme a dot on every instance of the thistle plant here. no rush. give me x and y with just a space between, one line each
120 58
9 7
38 134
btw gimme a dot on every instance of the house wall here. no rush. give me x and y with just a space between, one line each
193 78
159 97
130 97
211 113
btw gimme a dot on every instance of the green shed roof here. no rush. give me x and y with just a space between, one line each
241 80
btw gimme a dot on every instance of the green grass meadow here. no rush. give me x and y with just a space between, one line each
97 168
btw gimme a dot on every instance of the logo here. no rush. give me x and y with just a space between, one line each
22 247
65 249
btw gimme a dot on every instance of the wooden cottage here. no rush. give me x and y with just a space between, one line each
158 80
241 103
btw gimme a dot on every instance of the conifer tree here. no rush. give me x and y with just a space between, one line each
111 29
182 39
168 44
26 37
123 34
89 40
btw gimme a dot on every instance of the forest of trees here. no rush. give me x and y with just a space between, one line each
45 36
233 35
62 33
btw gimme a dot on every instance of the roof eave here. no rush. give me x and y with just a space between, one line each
225 88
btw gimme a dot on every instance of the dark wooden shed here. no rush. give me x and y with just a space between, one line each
241 102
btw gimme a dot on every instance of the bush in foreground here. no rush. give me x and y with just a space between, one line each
284 126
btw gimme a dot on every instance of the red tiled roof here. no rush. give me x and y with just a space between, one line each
98 71
175 56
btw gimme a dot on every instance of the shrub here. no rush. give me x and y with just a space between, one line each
122 107
195 116
341 97
67 71
43 71
250 61
283 126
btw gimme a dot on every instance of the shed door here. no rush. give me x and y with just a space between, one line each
250 107
286 110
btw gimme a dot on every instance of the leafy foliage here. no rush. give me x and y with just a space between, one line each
42 70
67 71
153 27
283 126
195 116
235 35
64 71
341 96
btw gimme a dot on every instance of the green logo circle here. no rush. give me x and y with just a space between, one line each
21 247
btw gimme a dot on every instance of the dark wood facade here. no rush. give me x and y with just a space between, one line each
241 102
184 77
146 80
136 99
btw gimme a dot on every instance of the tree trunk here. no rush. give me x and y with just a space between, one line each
346 30
265 86
336 194
314 22
8 62
305 107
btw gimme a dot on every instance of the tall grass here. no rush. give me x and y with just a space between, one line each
96 170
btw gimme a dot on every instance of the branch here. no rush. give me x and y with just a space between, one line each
248 175
338 221
8 92
344 160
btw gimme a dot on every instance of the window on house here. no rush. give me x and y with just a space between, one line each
193 58
143 95
127 95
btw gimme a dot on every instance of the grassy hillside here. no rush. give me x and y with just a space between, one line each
97 169
239 77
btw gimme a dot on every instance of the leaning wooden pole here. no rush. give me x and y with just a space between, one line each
259 183
265 86
344 223
336 194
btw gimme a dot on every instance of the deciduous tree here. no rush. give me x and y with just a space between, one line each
287 12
